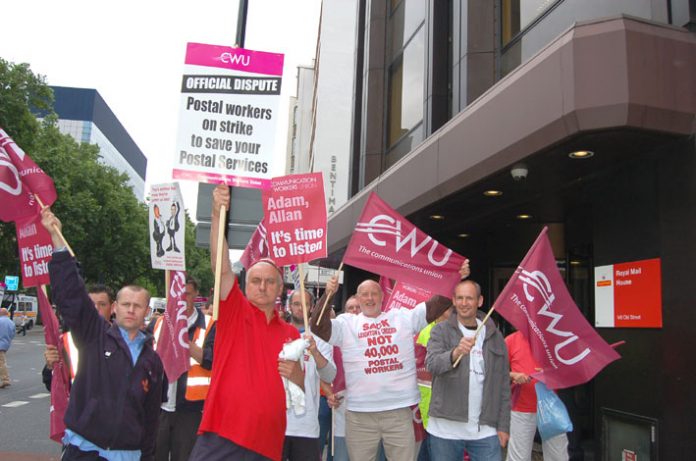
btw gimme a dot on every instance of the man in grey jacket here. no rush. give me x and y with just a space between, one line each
470 403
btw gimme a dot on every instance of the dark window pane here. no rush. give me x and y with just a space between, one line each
518 14
405 145
406 89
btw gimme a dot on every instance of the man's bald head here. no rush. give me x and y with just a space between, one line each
264 284
370 295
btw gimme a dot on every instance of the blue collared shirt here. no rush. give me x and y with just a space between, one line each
72 438
136 345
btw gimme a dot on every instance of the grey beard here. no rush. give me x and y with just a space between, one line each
297 320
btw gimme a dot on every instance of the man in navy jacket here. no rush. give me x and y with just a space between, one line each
115 398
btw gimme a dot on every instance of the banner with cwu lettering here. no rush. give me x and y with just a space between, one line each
385 243
537 302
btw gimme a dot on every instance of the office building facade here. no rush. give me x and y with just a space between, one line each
483 121
84 115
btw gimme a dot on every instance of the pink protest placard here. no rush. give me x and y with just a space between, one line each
35 250
295 218
406 296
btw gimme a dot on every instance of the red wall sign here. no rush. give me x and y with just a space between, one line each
629 295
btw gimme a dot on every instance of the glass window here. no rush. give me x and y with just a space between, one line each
406 76
405 145
406 17
518 14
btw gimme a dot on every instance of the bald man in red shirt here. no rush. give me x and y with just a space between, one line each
244 413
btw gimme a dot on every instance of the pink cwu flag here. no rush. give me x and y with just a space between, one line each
387 286
173 340
60 387
385 243
21 182
536 301
257 248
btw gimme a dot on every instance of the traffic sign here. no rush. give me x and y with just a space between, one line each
12 282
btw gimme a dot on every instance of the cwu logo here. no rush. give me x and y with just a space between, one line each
536 283
233 58
12 184
385 225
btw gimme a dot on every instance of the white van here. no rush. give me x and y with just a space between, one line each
25 308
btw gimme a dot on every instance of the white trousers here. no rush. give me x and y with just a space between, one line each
522 429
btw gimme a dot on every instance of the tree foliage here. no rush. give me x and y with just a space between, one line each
103 221
198 260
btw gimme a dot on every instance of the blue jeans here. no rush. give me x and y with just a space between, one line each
424 452
487 449
325 427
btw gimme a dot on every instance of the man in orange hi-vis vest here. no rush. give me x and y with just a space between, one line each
103 299
181 412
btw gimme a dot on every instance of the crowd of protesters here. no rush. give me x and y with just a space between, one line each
259 386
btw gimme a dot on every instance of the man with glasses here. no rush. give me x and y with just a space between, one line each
302 433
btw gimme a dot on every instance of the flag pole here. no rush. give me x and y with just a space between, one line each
302 297
328 297
167 281
218 261
55 227
478 330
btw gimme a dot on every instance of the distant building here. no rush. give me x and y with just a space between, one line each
321 118
84 115
300 123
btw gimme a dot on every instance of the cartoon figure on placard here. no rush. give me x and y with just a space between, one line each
173 227
158 231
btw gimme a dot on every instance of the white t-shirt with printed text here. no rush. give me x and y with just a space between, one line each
378 358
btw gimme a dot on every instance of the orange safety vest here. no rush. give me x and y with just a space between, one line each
198 380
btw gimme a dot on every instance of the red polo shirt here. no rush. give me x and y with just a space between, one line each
246 401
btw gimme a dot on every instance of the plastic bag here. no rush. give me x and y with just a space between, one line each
552 415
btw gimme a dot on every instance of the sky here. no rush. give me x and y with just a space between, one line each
132 53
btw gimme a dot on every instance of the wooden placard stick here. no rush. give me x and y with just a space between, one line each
328 296
167 281
65 242
218 261
302 298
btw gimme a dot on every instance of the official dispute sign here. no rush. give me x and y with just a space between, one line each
228 115
295 217
35 251
167 227
629 295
